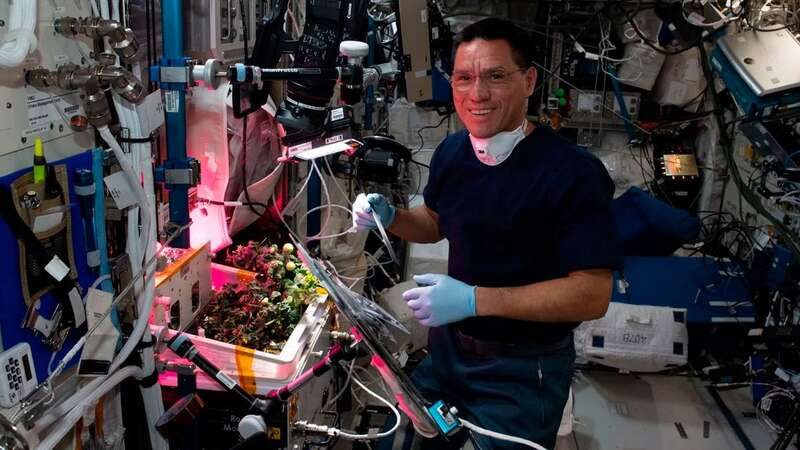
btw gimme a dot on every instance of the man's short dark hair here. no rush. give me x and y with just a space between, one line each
494 28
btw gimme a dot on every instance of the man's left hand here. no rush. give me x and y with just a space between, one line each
441 300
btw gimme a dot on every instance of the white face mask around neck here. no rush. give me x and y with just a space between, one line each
496 149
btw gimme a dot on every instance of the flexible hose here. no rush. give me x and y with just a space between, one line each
66 423
20 39
145 301
140 153
389 432
501 436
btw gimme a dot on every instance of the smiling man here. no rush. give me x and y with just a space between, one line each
532 248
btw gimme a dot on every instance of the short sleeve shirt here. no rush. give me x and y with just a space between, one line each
540 214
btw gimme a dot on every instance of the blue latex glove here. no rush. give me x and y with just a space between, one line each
444 300
362 211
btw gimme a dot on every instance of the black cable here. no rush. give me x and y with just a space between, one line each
249 202
419 133
790 429
731 418
419 163
633 14
653 45
244 28
129 140
149 33
699 97
575 438
554 73
752 198
419 181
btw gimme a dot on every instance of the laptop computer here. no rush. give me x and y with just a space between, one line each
766 60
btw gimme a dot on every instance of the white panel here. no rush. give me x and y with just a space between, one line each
26 112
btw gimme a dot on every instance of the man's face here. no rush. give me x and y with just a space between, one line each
490 90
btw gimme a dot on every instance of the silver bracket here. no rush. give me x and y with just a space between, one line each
51 330
190 176
174 75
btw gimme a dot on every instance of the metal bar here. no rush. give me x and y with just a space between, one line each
737 429
172 27
175 99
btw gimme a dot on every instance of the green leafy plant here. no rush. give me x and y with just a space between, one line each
263 313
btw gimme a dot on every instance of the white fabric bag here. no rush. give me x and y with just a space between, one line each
635 338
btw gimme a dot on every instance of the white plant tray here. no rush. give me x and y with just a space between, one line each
258 372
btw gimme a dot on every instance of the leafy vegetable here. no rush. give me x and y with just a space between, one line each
263 313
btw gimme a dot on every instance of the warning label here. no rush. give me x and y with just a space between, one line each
44 108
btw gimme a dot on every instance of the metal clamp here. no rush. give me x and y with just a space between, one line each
189 176
34 405
52 331
181 369
174 74
10 437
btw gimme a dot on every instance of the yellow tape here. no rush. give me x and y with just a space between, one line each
244 362
245 276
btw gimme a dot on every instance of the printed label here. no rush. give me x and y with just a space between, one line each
172 101
300 148
632 337
44 108
35 131
226 380
333 139
120 189
337 114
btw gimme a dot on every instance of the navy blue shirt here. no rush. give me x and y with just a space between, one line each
540 214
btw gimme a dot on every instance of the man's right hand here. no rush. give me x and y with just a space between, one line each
365 205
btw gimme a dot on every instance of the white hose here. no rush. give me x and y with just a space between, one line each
344 386
123 161
154 404
95 10
141 248
56 412
115 10
389 432
501 436
136 242
145 300
20 39
131 174
66 423
104 13
78 399
327 193
291 205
